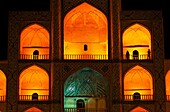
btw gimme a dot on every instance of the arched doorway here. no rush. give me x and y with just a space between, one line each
80 105
35 54
135 55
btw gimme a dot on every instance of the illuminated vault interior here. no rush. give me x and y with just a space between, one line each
33 109
88 85
34 80
85 32
167 81
139 109
34 39
2 84
137 37
138 80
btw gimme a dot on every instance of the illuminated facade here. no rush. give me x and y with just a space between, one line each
85 56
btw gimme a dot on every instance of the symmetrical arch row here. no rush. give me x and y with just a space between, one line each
86 86
34 82
85 37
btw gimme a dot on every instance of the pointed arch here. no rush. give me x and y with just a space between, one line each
2 86
167 84
138 80
85 25
85 84
33 109
34 80
34 37
139 109
137 37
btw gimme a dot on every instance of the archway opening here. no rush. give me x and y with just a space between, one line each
34 80
138 80
32 38
139 109
88 86
33 109
167 85
137 38
85 25
2 86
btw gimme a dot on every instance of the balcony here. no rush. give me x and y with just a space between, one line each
85 57
34 57
138 97
84 110
139 57
33 98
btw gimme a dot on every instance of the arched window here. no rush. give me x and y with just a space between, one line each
2 86
34 38
138 38
34 80
89 27
33 109
139 109
138 80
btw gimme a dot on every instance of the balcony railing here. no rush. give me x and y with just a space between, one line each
141 97
85 57
34 57
168 97
84 110
2 98
140 57
30 98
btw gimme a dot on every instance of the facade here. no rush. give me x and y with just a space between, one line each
85 56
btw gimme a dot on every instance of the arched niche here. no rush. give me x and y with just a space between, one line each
138 80
2 85
139 109
85 33
137 38
33 109
34 38
88 85
167 84
34 80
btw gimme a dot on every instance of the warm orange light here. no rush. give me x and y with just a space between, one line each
139 109
33 109
34 80
85 25
2 84
138 80
34 37
137 38
167 80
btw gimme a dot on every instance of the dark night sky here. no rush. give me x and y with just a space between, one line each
44 5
